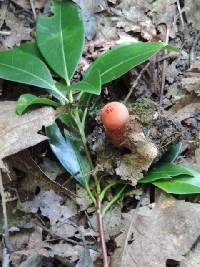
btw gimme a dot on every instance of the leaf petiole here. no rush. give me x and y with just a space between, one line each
114 200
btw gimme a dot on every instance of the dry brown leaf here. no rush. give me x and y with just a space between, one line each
183 102
192 12
113 222
165 232
52 206
187 112
191 82
18 31
20 132
25 4
164 12
192 259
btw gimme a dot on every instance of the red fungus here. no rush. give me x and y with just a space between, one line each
115 117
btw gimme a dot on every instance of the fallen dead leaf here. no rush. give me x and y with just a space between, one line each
192 259
192 12
19 31
50 205
183 102
113 222
164 13
167 231
24 128
25 4
186 112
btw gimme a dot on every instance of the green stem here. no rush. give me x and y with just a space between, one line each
101 196
84 117
81 127
71 99
61 95
87 187
115 199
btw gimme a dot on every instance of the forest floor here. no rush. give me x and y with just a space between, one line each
147 228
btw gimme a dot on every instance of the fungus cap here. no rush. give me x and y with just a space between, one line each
114 115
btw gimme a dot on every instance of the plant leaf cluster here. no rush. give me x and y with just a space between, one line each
173 178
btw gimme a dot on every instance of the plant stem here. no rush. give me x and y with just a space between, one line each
101 196
81 127
71 99
101 232
90 194
114 199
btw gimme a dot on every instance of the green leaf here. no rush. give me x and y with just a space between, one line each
122 58
165 171
69 154
27 100
90 84
171 154
62 88
30 48
60 38
22 67
180 185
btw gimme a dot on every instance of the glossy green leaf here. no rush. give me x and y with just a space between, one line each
28 100
120 59
30 48
22 67
90 84
66 119
171 154
68 153
60 38
180 185
62 88
165 171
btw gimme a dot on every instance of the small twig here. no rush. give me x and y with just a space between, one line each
33 9
180 13
136 81
102 233
164 69
7 245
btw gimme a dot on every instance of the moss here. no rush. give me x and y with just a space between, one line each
145 109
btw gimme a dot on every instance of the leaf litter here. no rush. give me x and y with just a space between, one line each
153 226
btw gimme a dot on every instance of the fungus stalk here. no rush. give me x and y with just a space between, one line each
115 118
